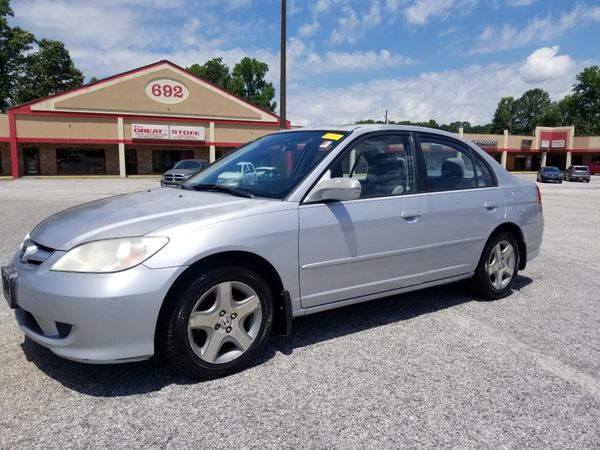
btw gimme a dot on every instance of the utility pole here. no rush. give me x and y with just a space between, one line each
386 111
282 68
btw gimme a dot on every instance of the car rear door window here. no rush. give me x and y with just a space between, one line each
452 166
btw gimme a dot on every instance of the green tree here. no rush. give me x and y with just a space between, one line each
48 71
93 80
15 43
530 109
248 82
584 104
504 117
552 116
213 70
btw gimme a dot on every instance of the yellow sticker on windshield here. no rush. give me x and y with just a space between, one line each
332 136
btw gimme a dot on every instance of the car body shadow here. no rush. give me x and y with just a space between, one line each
118 380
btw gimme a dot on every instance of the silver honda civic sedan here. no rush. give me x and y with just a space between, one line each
205 273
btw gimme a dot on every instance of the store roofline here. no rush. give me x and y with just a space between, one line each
26 107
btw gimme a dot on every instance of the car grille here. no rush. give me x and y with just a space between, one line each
177 178
34 253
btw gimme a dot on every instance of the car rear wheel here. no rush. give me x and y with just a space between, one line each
498 267
219 324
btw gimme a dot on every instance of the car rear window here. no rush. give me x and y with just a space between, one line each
584 168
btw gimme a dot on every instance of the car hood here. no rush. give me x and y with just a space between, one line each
138 214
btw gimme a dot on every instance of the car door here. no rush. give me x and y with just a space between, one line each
373 244
464 204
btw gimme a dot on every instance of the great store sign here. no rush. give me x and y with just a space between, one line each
167 132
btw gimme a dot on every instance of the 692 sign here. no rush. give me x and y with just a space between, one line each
166 90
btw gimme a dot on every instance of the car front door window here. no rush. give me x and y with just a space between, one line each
384 165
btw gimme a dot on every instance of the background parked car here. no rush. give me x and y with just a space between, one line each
594 168
244 173
183 170
267 172
550 173
577 173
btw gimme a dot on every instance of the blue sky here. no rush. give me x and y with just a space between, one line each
347 59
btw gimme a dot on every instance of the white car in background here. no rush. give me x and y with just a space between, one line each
245 174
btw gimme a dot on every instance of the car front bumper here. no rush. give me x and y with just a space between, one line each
93 318
548 179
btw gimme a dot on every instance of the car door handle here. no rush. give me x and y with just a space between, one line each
411 214
490 206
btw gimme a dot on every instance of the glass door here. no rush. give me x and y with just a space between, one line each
31 161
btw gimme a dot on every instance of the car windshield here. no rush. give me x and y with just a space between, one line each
187 165
551 169
271 166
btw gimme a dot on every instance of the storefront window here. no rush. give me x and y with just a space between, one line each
80 162
163 160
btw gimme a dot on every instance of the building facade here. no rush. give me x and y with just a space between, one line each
547 147
143 121
137 123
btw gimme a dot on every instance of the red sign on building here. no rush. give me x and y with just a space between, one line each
553 140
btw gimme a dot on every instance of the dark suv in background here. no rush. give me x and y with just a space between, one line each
550 173
183 170
577 173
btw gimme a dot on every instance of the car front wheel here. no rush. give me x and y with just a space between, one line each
497 269
219 324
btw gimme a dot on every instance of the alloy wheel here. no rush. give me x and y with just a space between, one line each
501 264
224 322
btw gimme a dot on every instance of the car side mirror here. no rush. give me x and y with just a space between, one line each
339 189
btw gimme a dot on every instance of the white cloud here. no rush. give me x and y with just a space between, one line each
321 6
516 3
369 60
470 94
538 29
421 11
304 61
353 26
309 29
85 23
544 65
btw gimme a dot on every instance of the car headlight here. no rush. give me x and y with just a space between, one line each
109 255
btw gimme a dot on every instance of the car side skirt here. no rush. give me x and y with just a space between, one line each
364 298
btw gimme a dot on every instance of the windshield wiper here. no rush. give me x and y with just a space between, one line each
221 188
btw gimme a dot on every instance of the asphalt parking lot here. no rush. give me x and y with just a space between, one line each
435 368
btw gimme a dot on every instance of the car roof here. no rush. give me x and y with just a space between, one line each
372 127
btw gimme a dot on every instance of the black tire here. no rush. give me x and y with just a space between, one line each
174 337
482 280
560 182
